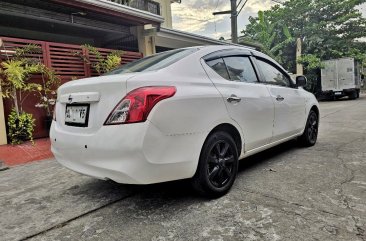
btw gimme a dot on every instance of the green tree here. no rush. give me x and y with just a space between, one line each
272 37
327 28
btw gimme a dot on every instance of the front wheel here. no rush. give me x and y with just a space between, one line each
310 134
218 165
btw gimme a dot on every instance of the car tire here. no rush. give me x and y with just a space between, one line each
353 95
218 165
310 135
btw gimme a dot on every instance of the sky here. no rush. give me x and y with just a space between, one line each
195 16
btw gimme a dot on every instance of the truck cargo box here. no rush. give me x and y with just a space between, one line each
341 77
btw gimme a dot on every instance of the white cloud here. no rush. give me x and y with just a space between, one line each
218 35
196 16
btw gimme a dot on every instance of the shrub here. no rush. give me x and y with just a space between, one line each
100 63
21 127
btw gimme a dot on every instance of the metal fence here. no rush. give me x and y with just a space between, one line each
61 58
145 5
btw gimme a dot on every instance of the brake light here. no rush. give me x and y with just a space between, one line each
137 104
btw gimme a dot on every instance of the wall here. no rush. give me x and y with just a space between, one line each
2 124
166 13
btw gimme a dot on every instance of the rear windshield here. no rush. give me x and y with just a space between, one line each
154 62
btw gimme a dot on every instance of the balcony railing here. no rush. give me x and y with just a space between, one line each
145 5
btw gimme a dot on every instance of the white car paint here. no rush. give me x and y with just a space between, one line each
290 116
256 100
167 145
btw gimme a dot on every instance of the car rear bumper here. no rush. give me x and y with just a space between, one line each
134 154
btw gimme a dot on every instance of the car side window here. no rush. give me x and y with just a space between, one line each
273 75
219 67
240 69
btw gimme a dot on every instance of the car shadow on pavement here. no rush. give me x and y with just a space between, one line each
162 199
262 157
182 189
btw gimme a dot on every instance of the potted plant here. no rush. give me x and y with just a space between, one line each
46 93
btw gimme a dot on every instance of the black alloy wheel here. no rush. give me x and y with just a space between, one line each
218 165
310 135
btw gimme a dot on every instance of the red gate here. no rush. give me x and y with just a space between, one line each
62 59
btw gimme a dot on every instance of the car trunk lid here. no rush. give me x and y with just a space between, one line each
83 105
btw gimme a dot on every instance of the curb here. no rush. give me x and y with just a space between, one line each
3 167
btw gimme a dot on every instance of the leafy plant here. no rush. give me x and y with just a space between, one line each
21 127
101 64
15 73
312 65
310 62
46 91
327 29
266 33
15 84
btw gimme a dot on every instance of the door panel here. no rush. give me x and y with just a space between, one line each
329 76
249 104
289 104
289 111
346 73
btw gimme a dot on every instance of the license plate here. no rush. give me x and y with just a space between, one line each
338 93
77 115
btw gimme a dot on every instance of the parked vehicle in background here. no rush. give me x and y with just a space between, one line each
185 113
340 78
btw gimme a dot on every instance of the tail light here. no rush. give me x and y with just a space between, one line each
137 104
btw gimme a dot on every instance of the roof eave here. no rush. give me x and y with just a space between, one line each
143 16
194 36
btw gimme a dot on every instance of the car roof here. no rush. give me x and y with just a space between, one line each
213 48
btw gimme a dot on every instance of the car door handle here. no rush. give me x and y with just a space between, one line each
279 98
233 99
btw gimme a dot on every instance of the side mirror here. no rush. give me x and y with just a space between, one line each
301 81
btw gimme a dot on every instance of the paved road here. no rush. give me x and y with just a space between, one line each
286 193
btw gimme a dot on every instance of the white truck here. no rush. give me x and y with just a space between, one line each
341 77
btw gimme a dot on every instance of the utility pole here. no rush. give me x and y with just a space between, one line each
299 67
234 22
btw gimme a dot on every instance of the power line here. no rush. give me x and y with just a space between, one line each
234 23
239 3
242 7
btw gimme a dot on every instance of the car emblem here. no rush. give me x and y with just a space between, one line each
70 99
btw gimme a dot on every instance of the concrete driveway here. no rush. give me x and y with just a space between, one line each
286 193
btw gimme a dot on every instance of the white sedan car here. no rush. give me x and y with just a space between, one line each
186 113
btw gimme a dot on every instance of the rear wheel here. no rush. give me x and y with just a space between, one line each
353 95
310 134
218 165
